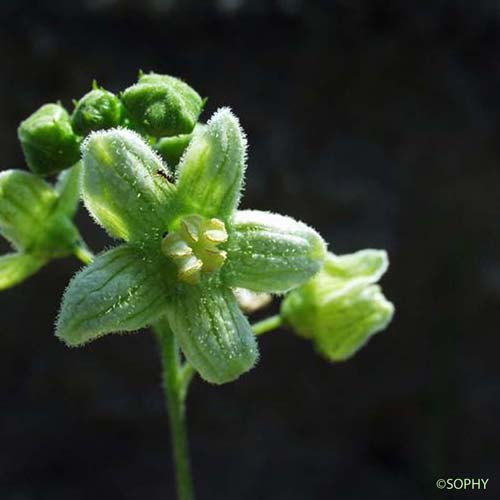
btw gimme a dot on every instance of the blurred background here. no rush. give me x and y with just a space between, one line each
375 121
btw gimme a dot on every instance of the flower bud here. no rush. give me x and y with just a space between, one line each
340 308
162 105
48 141
99 109
172 148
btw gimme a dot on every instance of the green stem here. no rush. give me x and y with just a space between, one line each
176 379
266 325
84 254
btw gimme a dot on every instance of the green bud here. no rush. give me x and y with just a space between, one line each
48 141
340 308
162 105
172 148
99 109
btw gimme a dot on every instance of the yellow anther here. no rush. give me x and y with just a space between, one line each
194 249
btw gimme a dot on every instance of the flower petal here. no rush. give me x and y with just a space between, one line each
25 203
16 267
348 322
340 308
125 185
212 168
119 291
271 253
212 332
348 271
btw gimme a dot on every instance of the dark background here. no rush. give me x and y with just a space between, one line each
376 122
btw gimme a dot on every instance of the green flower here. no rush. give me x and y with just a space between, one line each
186 246
37 220
341 308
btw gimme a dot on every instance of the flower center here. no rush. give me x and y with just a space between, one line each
193 247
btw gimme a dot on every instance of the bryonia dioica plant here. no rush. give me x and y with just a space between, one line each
187 262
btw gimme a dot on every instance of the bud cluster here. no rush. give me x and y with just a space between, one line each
162 108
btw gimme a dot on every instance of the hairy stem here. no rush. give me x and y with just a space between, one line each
266 325
176 379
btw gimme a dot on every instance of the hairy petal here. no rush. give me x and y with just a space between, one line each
349 321
16 267
271 253
125 185
348 271
212 168
340 309
212 332
119 291
25 203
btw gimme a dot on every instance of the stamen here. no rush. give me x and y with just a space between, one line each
193 247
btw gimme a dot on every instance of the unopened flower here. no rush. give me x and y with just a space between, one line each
48 141
341 308
96 110
161 105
